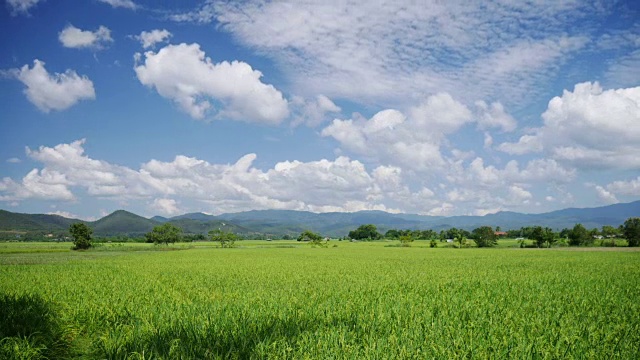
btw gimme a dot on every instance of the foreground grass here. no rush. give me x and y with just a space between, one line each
359 300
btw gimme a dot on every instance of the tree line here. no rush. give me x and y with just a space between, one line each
486 236
162 234
483 236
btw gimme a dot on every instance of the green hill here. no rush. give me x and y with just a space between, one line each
281 222
33 222
122 222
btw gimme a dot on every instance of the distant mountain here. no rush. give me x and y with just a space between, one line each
33 222
339 224
192 226
195 216
282 222
122 222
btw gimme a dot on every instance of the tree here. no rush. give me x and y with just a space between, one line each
392 234
81 235
537 235
484 236
579 236
631 231
406 240
165 233
542 236
460 239
610 231
549 237
428 234
368 232
315 239
226 239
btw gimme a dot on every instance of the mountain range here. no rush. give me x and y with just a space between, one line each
288 222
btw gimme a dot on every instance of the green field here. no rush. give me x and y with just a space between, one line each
287 300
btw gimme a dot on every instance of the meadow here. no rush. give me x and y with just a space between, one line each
286 300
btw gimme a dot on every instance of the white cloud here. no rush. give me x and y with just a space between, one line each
72 37
488 140
605 195
150 38
625 71
411 141
526 144
53 92
42 184
65 214
486 187
626 188
183 74
445 209
589 127
462 186
127 4
483 212
494 116
166 206
14 160
21 6
312 112
519 195
395 51
324 185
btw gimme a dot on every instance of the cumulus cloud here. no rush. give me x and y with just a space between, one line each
588 127
127 4
42 184
72 37
487 187
150 38
518 194
21 6
526 144
183 74
165 206
324 185
625 188
53 91
411 141
63 213
605 195
464 185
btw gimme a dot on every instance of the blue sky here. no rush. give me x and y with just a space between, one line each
434 108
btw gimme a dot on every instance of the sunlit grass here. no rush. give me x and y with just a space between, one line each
357 300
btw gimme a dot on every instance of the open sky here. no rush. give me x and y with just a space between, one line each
429 107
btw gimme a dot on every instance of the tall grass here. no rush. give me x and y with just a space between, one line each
354 301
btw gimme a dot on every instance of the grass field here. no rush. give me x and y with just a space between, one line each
286 300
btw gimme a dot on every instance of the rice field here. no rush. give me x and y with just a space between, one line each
284 300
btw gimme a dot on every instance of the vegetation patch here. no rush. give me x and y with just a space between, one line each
360 300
